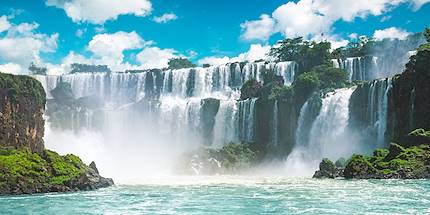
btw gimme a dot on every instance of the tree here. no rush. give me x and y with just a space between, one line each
306 54
426 34
330 77
250 89
180 63
35 70
81 68
305 84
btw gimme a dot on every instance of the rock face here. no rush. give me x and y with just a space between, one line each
22 102
409 101
328 170
25 165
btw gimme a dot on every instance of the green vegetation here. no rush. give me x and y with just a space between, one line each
20 86
399 161
236 155
420 133
321 77
426 34
35 70
26 171
230 158
180 63
419 61
84 68
250 89
306 54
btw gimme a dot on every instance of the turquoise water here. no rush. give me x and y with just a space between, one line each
220 195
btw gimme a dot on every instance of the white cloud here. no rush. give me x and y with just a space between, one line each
353 36
390 33
11 68
255 52
214 61
22 45
109 48
99 11
154 57
4 24
167 17
419 3
308 18
258 30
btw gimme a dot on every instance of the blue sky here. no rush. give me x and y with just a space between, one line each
63 31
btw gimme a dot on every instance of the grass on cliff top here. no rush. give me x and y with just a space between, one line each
22 166
19 85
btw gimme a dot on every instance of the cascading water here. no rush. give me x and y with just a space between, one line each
359 68
275 126
368 111
247 120
148 118
328 136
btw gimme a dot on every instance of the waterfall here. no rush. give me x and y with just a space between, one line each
379 99
247 120
359 68
287 70
274 133
226 121
140 117
326 137
368 111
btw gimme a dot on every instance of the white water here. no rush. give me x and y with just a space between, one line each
328 137
378 98
359 68
148 119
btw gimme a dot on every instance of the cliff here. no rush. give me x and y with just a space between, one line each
22 102
25 165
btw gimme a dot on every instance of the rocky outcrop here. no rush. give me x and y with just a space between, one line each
409 101
209 109
409 160
25 165
328 170
22 102
406 160
25 172
230 159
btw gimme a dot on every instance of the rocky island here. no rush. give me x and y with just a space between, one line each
25 165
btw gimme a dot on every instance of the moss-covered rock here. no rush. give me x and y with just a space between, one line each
22 171
328 170
229 159
407 161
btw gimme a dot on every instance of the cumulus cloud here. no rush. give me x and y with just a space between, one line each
109 48
154 57
308 18
4 24
11 68
259 29
390 33
99 11
255 52
22 45
167 17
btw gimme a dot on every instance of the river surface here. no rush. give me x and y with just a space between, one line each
234 195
